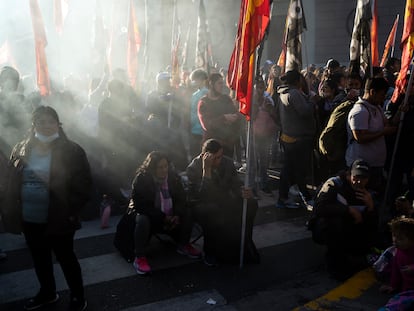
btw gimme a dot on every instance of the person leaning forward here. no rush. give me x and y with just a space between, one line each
345 220
216 196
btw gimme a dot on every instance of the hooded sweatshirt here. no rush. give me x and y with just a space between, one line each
296 113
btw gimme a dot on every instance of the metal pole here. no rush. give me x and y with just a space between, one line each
246 177
382 214
393 41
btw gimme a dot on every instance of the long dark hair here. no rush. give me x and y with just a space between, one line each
46 110
151 162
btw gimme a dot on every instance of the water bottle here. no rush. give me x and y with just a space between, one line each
105 211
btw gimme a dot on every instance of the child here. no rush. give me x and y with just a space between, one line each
402 266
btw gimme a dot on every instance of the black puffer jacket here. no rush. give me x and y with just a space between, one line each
144 197
69 183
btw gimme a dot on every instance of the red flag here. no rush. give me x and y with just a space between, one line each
254 18
407 46
134 43
374 35
43 81
390 41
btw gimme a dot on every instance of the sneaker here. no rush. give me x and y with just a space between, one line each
141 265
78 304
210 261
189 250
40 301
289 203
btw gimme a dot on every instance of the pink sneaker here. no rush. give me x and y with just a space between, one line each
189 251
141 265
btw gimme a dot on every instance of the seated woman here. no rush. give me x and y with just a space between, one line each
159 200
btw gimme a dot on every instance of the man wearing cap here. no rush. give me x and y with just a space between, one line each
344 219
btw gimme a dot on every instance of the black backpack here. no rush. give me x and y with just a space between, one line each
124 235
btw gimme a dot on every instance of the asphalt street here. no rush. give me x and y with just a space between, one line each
290 276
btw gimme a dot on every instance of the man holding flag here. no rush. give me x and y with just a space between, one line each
253 22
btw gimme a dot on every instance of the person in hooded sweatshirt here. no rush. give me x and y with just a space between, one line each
298 127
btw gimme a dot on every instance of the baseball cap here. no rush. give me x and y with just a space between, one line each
332 64
163 76
360 168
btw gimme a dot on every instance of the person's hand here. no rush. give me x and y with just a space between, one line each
353 94
356 214
366 197
386 289
170 222
247 193
208 160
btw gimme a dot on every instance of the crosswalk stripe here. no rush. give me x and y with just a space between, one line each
112 266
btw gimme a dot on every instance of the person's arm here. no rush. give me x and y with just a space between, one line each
143 197
80 182
362 136
329 202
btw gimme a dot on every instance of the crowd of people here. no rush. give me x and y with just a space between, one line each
139 147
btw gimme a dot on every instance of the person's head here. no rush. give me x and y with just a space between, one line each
291 77
376 90
329 89
393 65
259 85
332 65
403 206
359 174
9 79
275 71
156 163
339 78
116 88
163 80
198 78
45 124
215 84
354 81
402 229
214 147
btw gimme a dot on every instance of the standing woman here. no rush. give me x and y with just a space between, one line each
55 186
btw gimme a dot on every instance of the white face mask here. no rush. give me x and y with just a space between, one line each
46 139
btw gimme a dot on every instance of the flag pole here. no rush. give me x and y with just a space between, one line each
393 41
382 215
247 175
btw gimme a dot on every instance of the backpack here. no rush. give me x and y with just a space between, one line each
333 140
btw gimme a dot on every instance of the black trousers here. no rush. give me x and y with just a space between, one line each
41 246
222 225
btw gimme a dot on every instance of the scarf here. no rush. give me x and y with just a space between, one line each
165 198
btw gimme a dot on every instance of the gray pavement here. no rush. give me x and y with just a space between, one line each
291 273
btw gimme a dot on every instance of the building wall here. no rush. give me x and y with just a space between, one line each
329 28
